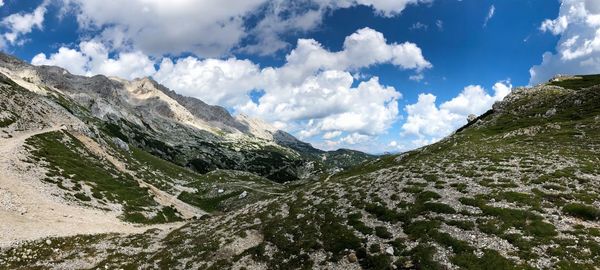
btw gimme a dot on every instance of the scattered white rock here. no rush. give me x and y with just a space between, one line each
352 258
550 112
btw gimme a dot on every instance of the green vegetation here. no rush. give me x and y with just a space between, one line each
491 260
438 208
422 255
69 160
505 218
302 231
237 189
463 224
373 261
583 81
382 232
421 228
209 204
382 213
357 224
156 171
582 211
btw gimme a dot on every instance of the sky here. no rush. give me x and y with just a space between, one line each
371 75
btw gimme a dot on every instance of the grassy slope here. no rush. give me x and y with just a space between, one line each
71 167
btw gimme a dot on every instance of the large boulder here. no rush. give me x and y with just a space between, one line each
471 118
121 144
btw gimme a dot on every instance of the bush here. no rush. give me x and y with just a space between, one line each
490 260
383 232
382 213
439 208
426 196
357 224
421 228
582 211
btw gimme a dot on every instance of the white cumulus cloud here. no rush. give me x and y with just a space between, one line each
332 134
157 27
215 81
428 122
19 24
578 50
209 28
389 7
92 58
355 138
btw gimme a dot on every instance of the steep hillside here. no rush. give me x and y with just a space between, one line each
518 188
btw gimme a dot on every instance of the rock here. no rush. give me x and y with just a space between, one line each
554 126
352 258
562 77
243 195
550 112
529 131
471 118
48 242
121 144
389 250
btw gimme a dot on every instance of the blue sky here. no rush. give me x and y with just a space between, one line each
377 76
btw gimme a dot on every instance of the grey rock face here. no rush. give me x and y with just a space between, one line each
471 118
121 144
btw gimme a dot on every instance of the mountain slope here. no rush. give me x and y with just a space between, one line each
518 188
182 130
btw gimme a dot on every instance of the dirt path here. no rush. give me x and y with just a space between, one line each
29 211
